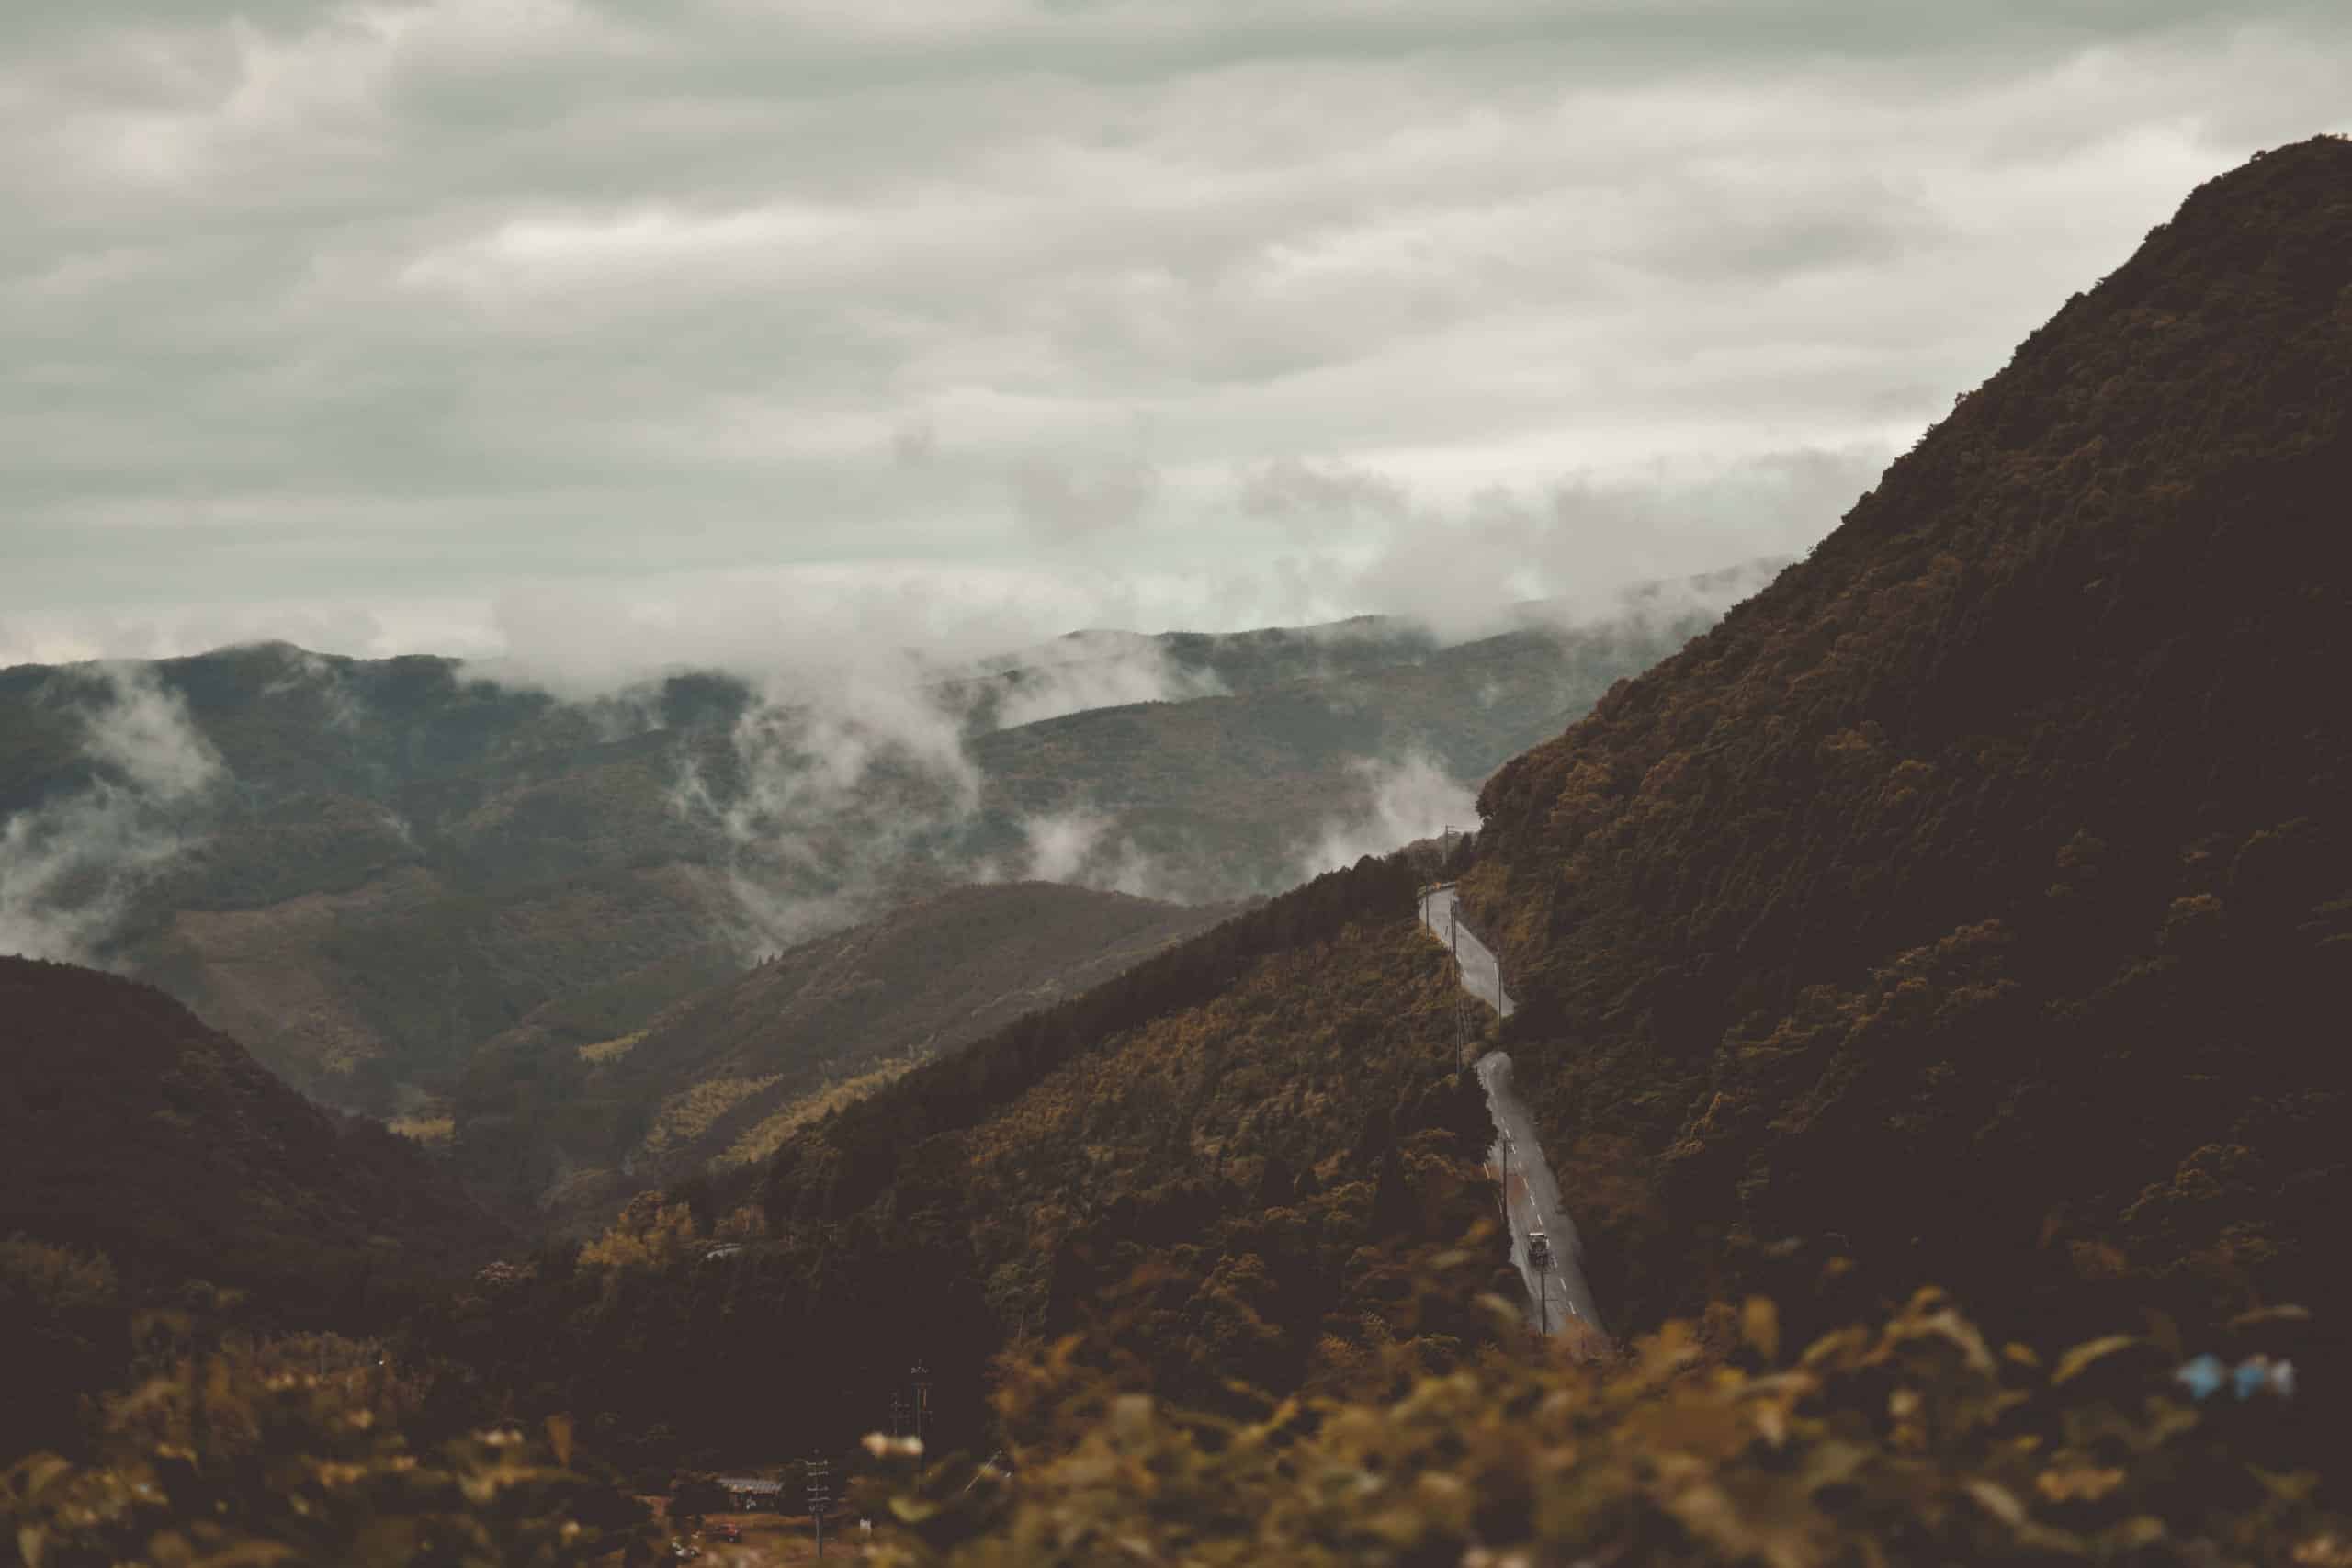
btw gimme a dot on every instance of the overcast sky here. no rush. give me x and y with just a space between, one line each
487 323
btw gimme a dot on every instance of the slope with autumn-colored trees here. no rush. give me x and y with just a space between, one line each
1975 901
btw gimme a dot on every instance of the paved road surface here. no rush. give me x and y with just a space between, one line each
1532 1200
1482 975
1531 1197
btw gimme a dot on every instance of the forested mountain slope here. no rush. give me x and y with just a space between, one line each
368 869
1977 899
721 1078
129 1128
147 1161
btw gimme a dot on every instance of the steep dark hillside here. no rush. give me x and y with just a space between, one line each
128 1128
722 1078
1979 896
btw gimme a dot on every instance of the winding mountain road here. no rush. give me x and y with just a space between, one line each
1530 1197
1481 972
1532 1203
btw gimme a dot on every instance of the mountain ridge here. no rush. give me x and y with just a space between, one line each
289 842
2004 811
129 1128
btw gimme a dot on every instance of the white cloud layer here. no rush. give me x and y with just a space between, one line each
604 334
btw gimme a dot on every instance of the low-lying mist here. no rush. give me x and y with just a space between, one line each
825 767
70 864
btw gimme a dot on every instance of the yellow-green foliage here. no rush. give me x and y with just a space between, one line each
228 1460
770 1131
604 1051
426 1130
1912 1441
688 1114
649 1234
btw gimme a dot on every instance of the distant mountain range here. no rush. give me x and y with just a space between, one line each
368 869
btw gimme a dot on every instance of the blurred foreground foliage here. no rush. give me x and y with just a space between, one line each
1914 1440
236 1457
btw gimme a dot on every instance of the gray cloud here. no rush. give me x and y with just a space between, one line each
375 325
1063 501
1096 670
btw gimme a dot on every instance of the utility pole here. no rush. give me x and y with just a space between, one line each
821 1493
922 1375
1506 1182
1539 1253
898 1413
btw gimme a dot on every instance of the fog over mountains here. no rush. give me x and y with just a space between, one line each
367 868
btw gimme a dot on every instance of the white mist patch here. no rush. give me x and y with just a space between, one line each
1100 670
1060 844
1412 798
1080 848
1644 608
69 866
827 788
308 672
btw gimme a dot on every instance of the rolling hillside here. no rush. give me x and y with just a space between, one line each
129 1128
572 1129
370 869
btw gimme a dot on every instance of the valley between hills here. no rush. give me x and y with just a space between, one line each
1923 957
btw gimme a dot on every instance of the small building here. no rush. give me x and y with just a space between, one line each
750 1492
